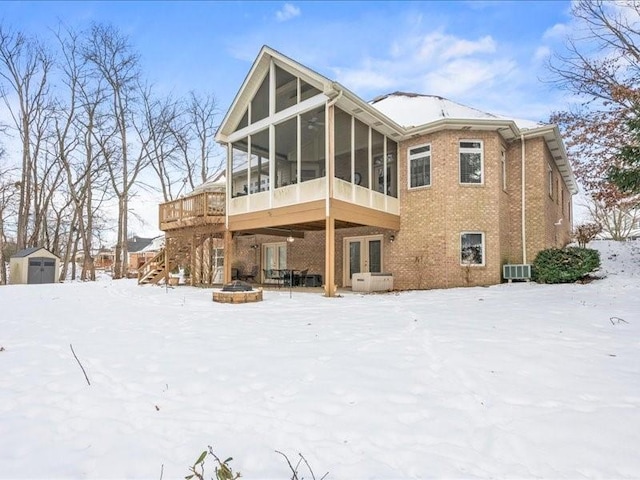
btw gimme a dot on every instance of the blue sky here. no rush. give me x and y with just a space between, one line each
486 54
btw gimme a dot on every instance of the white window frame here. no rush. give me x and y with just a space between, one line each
550 175
483 251
417 156
462 150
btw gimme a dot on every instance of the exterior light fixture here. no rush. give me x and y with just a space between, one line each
290 238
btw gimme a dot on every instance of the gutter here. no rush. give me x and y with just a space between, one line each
461 122
329 161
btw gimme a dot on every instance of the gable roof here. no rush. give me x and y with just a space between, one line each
215 183
154 245
28 251
399 115
135 244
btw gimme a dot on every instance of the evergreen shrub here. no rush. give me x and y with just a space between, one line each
564 265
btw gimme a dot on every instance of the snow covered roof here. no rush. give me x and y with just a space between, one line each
217 184
413 109
28 251
156 244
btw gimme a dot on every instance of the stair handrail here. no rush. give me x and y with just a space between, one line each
151 265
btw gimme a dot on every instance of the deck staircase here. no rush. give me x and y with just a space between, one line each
155 270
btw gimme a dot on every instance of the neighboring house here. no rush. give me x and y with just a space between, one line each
140 250
102 258
433 192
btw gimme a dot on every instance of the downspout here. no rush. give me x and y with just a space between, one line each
328 168
523 219
329 253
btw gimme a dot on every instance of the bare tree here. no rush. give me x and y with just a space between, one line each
602 60
160 122
8 194
76 150
601 65
24 69
618 221
114 62
202 121
199 157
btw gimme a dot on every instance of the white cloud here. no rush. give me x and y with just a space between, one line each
558 31
541 53
287 12
464 48
435 63
445 47
364 79
463 76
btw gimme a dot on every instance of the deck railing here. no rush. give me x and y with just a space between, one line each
198 206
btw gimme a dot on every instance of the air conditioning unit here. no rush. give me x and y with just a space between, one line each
516 272
371 282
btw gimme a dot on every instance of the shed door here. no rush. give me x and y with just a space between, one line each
41 270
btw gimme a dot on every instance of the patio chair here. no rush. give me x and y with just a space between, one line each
302 278
273 274
250 277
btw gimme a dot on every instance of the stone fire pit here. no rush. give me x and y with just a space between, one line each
237 292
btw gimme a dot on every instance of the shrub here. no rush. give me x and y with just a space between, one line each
566 265
586 232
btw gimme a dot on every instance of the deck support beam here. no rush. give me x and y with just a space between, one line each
330 258
228 255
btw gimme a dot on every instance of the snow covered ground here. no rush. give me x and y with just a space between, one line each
520 380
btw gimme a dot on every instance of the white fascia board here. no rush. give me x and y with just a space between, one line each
348 97
458 123
259 68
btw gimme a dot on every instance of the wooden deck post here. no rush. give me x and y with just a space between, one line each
192 261
206 261
167 246
330 228
330 258
228 255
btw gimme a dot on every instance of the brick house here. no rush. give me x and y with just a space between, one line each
433 192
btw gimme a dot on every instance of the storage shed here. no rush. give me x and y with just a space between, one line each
34 265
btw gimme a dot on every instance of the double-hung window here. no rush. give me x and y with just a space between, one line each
471 171
472 248
420 166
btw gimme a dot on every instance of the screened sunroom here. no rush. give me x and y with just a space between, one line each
293 136
306 155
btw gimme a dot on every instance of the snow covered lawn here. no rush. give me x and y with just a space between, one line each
518 380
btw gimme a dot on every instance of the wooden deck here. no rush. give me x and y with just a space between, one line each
197 210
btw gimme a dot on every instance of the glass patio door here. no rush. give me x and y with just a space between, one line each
361 254
274 257
217 264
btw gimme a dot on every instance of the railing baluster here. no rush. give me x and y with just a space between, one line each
202 205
